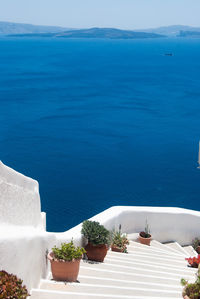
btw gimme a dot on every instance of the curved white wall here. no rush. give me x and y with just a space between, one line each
166 224
19 199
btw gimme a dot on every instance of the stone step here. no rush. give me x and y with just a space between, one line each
126 283
150 265
147 250
96 272
158 251
148 256
108 290
177 247
190 250
45 294
156 244
137 269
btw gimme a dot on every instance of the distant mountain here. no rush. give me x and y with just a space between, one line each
17 28
111 33
172 31
194 34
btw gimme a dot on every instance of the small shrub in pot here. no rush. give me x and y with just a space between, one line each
119 241
98 240
65 261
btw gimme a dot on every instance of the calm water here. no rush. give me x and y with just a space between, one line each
101 122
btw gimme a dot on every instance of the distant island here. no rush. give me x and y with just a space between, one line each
171 31
111 33
194 34
27 30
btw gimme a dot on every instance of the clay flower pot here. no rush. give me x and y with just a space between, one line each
96 252
194 265
64 270
117 249
145 241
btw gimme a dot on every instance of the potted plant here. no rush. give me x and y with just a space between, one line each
193 261
98 240
196 245
11 286
65 261
119 241
145 236
191 290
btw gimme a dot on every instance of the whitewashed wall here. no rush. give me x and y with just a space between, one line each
19 199
23 239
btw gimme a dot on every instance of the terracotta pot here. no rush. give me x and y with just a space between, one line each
194 265
198 249
64 270
145 241
117 249
183 293
96 253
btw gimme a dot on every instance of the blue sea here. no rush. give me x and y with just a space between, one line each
102 122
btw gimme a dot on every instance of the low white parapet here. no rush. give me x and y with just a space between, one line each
166 224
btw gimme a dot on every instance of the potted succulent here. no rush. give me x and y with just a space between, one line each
119 241
11 286
98 240
65 261
191 290
196 245
145 236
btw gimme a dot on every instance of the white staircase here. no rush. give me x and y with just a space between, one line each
145 272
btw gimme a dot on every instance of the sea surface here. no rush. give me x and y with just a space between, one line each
102 122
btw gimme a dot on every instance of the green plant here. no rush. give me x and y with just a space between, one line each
146 232
196 243
68 252
95 233
192 290
11 287
120 240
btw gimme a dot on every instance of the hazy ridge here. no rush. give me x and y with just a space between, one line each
19 28
29 30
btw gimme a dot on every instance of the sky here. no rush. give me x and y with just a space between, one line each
125 14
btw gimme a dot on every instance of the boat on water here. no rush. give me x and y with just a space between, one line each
168 54
199 156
